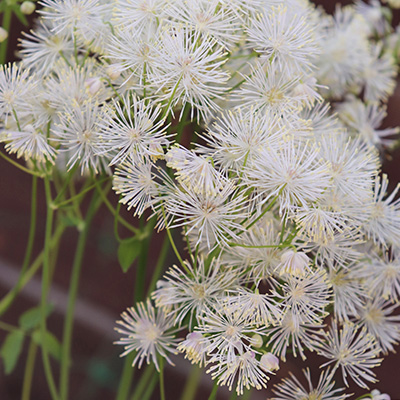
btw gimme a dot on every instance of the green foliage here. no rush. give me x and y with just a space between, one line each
11 350
128 251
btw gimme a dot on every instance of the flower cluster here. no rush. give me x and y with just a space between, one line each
288 225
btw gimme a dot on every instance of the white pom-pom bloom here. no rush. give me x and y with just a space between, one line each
148 332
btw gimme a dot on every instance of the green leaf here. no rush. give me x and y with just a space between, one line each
128 251
52 344
31 319
11 350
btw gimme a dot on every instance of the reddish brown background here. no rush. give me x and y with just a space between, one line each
105 291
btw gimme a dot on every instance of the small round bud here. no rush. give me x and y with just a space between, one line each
269 362
294 263
3 34
27 7
256 340
114 71
93 85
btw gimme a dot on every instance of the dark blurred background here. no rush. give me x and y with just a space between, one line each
105 291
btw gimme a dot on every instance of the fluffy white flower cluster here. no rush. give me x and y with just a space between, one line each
280 201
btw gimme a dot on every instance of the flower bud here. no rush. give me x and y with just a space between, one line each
27 7
377 395
294 263
93 85
114 71
269 362
256 340
3 34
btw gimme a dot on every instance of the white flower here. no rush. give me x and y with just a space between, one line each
148 332
135 181
306 296
78 132
41 49
291 171
244 367
295 332
192 290
267 90
377 316
348 292
292 389
16 87
207 17
29 142
284 38
214 215
353 350
134 129
365 120
187 68
73 16
383 222
353 164
237 138
195 348
197 172
138 15
380 75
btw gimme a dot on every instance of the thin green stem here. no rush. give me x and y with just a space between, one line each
171 240
113 211
172 97
61 191
29 369
192 383
8 327
7 15
162 386
73 291
150 388
213 393
143 383
160 264
28 171
77 197
45 289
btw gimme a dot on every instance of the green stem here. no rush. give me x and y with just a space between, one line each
6 25
159 266
192 383
7 300
28 171
76 197
162 386
29 369
150 389
128 371
73 291
45 289
143 383
171 98
113 210
213 393
8 327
